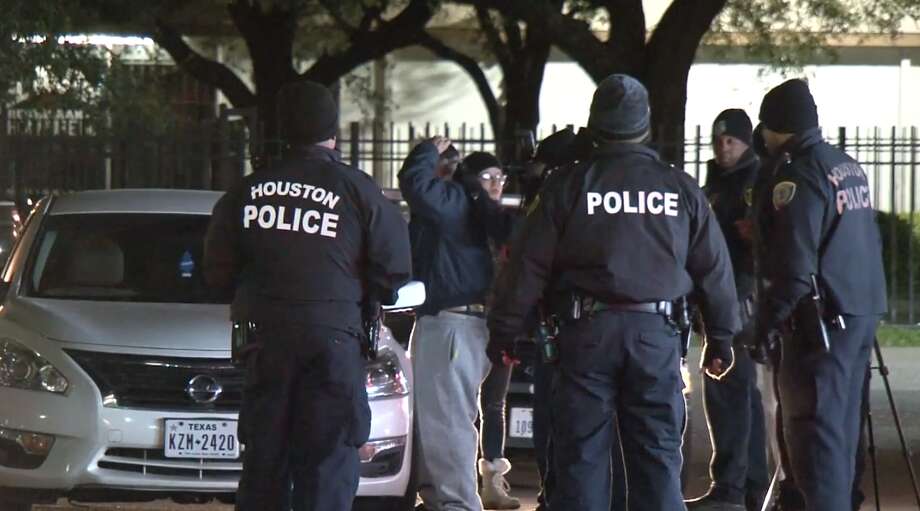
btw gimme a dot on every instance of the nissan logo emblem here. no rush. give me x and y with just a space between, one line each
203 389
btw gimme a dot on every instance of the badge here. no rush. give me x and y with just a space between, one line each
783 194
749 196
720 128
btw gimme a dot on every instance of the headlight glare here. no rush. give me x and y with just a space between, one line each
385 377
22 368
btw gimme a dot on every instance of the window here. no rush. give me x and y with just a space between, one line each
122 257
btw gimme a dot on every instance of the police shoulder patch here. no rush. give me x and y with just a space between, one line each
783 193
749 196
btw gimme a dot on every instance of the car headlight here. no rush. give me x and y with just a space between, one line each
385 377
22 368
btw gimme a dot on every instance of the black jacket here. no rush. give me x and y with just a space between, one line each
822 222
450 230
621 227
730 193
310 238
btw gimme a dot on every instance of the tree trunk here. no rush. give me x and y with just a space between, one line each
521 110
668 100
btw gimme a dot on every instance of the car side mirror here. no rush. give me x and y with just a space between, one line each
411 296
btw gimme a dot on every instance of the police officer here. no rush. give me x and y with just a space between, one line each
305 243
823 229
734 409
611 243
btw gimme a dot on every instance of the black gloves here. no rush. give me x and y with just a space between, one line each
720 349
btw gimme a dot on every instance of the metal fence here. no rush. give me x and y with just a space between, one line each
211 155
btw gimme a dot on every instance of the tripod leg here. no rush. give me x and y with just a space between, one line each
905 448
772 489
872 455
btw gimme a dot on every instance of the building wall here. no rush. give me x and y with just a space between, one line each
851 95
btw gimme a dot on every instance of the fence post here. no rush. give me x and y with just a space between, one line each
463 137
910 239
354 148
699 147
912 147
842 138
482 136
892 303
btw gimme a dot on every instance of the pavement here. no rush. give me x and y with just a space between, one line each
895 487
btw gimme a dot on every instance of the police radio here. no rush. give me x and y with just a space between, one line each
809 320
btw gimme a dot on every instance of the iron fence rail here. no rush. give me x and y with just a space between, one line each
211 155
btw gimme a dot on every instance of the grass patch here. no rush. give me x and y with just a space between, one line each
898 335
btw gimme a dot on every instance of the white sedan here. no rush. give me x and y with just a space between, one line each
115 378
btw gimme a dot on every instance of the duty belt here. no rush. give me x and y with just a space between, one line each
664 308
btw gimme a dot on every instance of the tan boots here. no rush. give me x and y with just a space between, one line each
495 488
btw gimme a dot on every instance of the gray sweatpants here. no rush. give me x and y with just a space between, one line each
449 364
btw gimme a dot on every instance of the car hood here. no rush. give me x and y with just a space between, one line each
169 326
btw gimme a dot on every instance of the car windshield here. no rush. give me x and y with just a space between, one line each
122 257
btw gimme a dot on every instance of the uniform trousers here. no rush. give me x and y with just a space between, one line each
734 412
821 395
543 445
618 369
304 415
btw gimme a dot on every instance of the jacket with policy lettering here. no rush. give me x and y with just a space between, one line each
821 222
621 227
310 238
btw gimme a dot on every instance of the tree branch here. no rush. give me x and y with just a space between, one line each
681 30
513 34
206 70
404 30
333 8
627 25
471 66
571 35
371 14
494 39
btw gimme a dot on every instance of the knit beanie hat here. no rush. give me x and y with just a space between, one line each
789 108
307 112
620 110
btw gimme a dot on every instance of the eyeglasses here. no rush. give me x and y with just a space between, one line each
490 178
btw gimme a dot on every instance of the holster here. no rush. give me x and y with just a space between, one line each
242 341
808 320
372 316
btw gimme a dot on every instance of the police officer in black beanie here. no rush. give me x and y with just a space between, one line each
304 244
734 409
608 246
821 227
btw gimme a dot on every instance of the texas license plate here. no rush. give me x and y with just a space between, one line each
196 438
521 425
